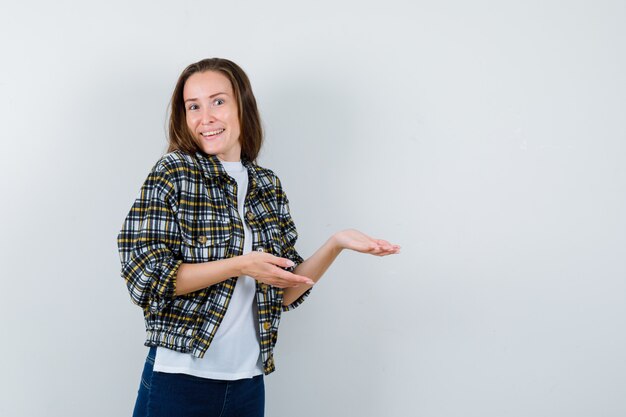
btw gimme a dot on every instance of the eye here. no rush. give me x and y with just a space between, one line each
218 101
193 107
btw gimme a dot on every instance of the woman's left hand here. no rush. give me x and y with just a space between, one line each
360 242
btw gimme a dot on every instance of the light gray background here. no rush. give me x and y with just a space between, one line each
487 138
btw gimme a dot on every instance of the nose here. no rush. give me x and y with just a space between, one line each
208 116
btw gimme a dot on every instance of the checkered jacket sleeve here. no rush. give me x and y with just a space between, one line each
290 235
148 243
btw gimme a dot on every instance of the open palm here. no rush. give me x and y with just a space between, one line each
360 242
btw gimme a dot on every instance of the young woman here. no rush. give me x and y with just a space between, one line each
208 252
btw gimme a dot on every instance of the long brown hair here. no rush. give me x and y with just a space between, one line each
251 137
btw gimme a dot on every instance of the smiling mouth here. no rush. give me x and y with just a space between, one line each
212 133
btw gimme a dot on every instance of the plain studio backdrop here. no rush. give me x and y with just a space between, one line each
487 138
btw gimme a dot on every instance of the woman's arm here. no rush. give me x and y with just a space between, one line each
267 268
263 267
315 266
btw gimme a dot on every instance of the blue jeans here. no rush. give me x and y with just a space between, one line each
180 395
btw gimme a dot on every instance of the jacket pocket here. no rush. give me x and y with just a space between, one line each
205 240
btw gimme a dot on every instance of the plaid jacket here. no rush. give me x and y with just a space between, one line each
187 212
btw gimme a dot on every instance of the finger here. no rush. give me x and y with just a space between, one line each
396 249
288 284
279 282
367 247
295 279
391 252
290 276
282 283
385 244
282 262
384 251
378 249
299 280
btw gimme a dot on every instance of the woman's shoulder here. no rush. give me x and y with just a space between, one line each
173 170
176 165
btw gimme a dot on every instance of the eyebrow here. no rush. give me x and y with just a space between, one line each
211 96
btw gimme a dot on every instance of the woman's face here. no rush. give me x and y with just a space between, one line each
211 113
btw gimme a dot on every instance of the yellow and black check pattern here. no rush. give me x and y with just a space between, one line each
187 212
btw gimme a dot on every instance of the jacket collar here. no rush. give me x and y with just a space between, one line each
213 169
210 165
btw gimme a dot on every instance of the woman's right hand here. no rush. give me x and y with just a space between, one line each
267 269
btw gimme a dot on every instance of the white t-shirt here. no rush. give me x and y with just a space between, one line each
234 352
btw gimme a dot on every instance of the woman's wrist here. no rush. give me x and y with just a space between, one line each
334 243
237 265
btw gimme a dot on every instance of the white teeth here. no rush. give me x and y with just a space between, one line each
212 133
